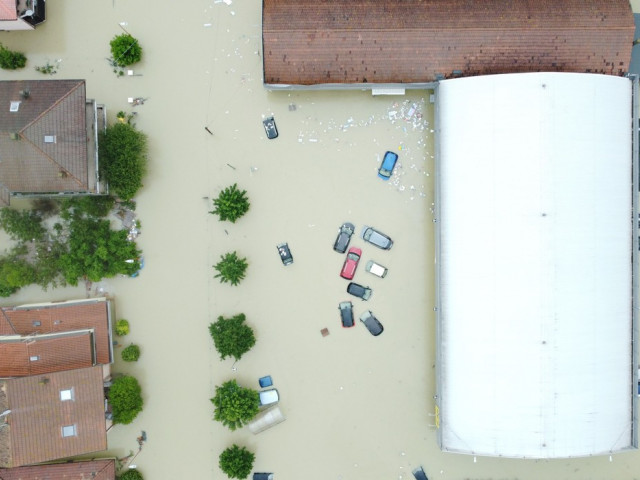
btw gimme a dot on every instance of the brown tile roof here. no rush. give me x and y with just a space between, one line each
95 470
38 416
53 107
308 42
22 356
92 314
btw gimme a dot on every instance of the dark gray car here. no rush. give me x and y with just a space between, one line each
373 325
270 128
419 474
346 314
377 238
344 237
285 253
359 291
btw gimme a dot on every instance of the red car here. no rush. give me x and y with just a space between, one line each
351 263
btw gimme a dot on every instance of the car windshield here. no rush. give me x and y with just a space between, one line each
353 256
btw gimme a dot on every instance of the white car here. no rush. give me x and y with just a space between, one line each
269 397
376 269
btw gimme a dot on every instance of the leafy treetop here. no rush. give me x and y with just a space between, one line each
231 204
125 396
231 336
236 462
235 406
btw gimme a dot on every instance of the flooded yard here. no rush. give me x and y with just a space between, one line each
357 406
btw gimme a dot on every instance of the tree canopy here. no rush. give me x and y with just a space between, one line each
232 337
10 60
231 268
236 462
231 204
235 406
125 50
125 397
123 158
131 474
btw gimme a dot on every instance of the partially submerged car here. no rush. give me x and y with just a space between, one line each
344 237
376 269
359 291
262 476
285 253
346 314
377 238
371 322
269 397
351 263
419 474
388 164
270 128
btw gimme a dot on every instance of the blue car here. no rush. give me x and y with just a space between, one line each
387 166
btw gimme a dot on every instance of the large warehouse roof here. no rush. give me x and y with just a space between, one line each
535 245
314 42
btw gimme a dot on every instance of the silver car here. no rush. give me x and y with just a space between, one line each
373 325
377 238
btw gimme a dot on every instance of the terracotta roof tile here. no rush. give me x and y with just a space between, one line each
93 314
308 42
53 108
95 470
38 415
8 10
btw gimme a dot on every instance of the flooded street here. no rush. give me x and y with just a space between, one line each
357 406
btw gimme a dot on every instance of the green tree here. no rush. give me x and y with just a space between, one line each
235 406
23 225
10 60
131 353
231 268
15 273
125 397
231 204
231 337
95 252
236 462
123 158
131 474
122 327
125 50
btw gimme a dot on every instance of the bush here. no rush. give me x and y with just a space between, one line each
236 462
231 268
123 158
131 474
232 337
10 60
231 204
235 406
122 327
131 353
125 50
125 397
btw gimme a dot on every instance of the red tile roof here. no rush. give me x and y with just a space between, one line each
53 108
92 314
95 470
8 10
38 416
307 42
22 356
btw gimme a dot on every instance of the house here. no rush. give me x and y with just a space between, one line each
102 469
48 139
43 338
53 416
21 14
351 43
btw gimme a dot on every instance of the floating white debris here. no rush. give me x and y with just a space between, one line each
124 24
207 24
227 2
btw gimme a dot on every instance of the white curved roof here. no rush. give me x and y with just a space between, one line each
535 265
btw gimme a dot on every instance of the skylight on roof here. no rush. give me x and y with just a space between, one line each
15 106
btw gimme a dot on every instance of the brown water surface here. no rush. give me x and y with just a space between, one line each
357 407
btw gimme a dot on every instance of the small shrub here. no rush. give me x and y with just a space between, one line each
122 327
23 225
236 462
131 353
10 60
231 268
131 474
125 50
47 69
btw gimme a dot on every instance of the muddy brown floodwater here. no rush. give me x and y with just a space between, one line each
357 407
